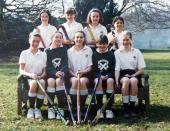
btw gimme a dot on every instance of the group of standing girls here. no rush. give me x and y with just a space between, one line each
85 52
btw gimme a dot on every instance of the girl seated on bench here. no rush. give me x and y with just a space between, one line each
57 65
79 62
104 63
32 63
130 65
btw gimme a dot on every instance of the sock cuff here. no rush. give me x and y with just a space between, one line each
83 92
73 91
109 91
30 94
59 88
133 98
125 99
99 92
51 89
39 96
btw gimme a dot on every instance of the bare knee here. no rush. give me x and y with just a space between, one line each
33 86
110 83
99 87
133 81
74 82
59 82
125 85
84 81
51 82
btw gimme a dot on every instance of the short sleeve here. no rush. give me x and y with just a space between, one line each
90 57
69 62
45 59
141 61
104 30
117 66
22 58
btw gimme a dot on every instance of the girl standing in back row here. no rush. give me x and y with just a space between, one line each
71 26
46 30
94 28
115 37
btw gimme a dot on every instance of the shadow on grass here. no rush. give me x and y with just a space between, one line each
157 113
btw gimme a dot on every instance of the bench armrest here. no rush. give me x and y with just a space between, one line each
145 76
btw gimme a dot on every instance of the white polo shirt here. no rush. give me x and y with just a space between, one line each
129 60
34 63
71 29
97 31
46 34
119 37
79 60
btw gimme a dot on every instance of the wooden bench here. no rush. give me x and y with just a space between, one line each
143 94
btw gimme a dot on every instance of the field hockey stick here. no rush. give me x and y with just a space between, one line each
69 102
65 34
113 33
97 117
78 100
56 110
92 97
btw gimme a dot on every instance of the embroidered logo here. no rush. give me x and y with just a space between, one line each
134 57
86 55
103 64
56 62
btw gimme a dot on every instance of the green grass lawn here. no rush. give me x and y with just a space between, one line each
158 67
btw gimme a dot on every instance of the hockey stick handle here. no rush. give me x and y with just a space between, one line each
93 94
78 100
51 102
68 103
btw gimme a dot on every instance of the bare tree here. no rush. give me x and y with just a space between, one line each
16 17
146 14
141 14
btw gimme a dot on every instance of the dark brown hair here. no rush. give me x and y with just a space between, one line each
103 39
83 35
70 11
45 11
118 18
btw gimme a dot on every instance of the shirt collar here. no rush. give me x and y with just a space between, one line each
44 26
72 23
100 52
84 48
122 49
95 26
55 48
37 53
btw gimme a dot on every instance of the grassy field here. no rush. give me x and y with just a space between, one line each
158 67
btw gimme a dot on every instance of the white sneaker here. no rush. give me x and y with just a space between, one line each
62 113
30 114
100 113
51 113
109 114
38 114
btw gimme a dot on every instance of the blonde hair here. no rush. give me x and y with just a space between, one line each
89 15
128 33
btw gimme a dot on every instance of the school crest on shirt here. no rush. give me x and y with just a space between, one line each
134 57
103 64
56 62
86 55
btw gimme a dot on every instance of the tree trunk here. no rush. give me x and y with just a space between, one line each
2 32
